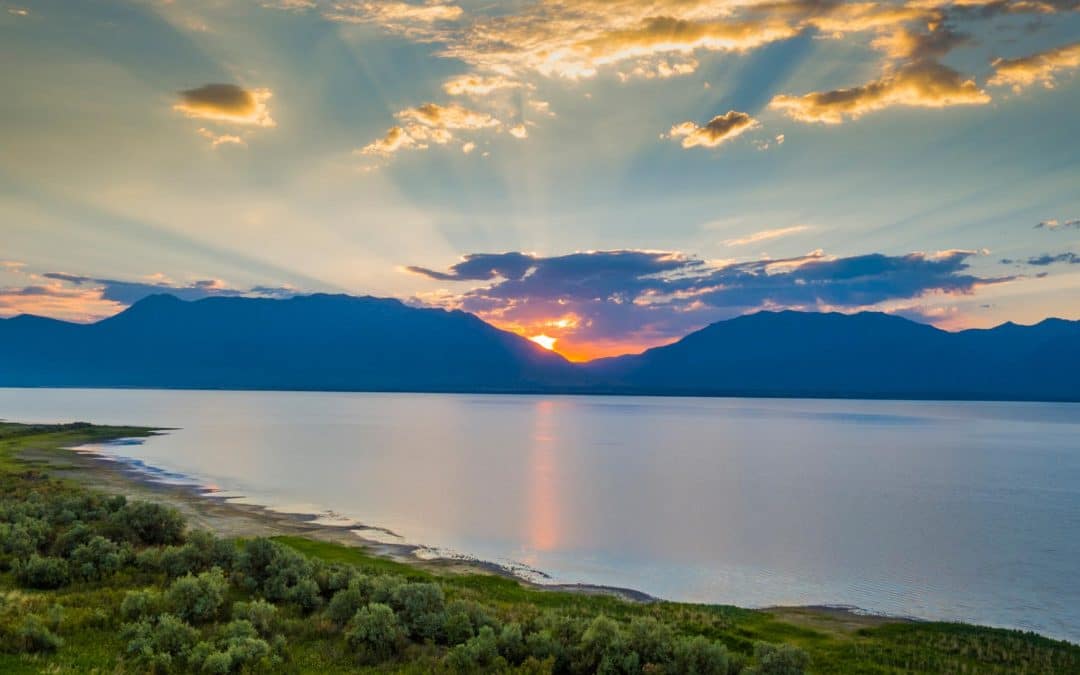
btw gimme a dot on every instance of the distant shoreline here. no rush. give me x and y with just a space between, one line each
569 392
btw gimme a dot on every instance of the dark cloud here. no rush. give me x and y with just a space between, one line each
1046 259
1054 224
606 295
130 292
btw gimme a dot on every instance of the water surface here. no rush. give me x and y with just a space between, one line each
958 511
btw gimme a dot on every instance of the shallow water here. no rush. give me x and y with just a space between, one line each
959 511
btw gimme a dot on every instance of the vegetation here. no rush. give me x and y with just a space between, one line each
91 581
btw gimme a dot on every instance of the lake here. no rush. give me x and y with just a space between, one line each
937 510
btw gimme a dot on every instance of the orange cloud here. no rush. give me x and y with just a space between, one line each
718 130
1042 68
226 103
924 85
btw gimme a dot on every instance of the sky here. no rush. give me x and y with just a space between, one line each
601 175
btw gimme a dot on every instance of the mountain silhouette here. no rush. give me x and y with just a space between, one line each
339 342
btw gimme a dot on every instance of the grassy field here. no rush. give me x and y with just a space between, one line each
92 583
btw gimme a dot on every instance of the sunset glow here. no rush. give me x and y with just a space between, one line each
544 341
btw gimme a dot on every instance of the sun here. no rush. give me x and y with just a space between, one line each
544 341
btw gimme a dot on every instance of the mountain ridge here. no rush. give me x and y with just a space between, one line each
366 343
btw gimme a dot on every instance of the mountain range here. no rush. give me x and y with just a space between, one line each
339 342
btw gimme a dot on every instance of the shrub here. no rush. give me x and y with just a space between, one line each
198 598
458 628
512 643
25 537
305 595
344 605
422 610
700 656
479 654
42 572
34 636
139 605
260 613
203 551
148 523
160 646
375 633
603 648
98 558
72 538
651 640
780 659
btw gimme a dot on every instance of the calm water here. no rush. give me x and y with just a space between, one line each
966 511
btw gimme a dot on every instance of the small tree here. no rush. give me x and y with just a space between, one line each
198 599
42 572
780 659
700 656
375 633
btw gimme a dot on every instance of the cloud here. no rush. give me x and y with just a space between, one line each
924 84
1046 259
518 131
451 116
217 140
76 297
429 123
477 85
629 298
419 21
766 235
1054 224
226 103
907 44
1042 68
718 130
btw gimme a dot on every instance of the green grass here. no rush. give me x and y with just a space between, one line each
85 614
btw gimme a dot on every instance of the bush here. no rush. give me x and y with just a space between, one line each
139 605
700 656
479 654
260 613
344 605
651 640
98 558
34 636
458 628
148 523
375 633
198 599
71 539
305 595
161 646
25 537
202 552
512 643
780 659
42 572
603 649
422 610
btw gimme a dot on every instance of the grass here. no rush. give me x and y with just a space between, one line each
85 614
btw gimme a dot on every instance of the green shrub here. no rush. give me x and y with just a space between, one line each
375 633
148 523
34 636
198 598
139 605
344 605
25 537
202 552
43 572
159 646
458 628
603 649
700 656
305 595
512 643
72 538
653 641
98 558
421 607
479 654
779 659
260 613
